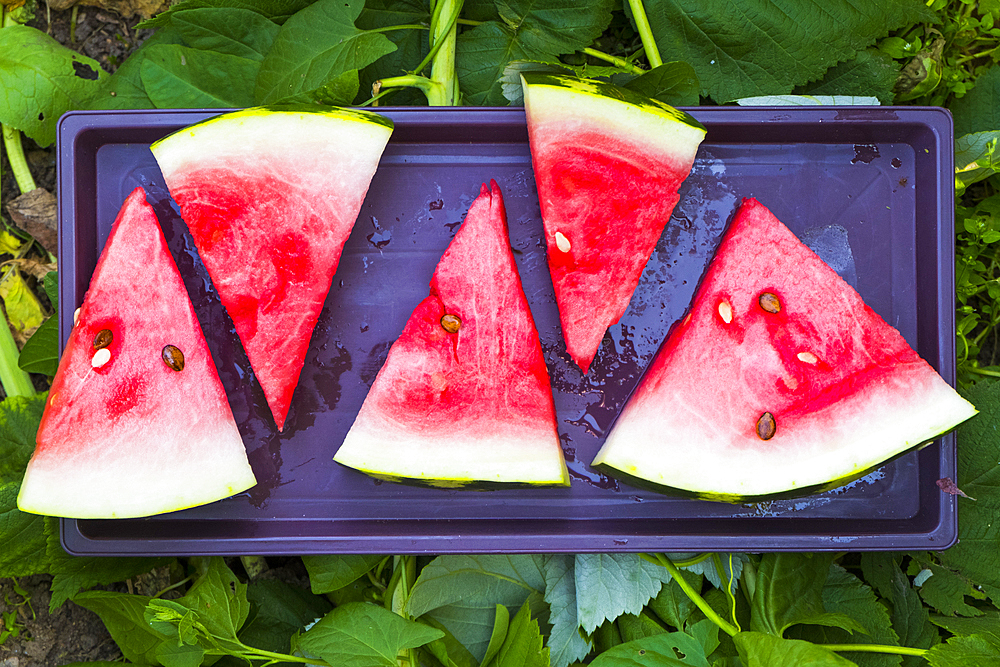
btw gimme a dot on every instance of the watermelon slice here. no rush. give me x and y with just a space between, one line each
779 382
608 163
270 196
464 395
137 421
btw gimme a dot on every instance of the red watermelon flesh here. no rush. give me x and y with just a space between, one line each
608 164
270 197
466 399
134 436
775 331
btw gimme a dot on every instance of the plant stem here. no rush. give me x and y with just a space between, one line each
645 33
696 597
983 371
614 60
876 648
15 155
444 37
15 381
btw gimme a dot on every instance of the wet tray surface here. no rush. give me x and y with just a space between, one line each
869 189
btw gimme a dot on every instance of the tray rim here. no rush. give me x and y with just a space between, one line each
944 534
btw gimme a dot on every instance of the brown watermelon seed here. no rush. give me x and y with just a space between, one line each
807 357
451 323
103 339
101 357
769 302
173 357
766 426
725 311
562 242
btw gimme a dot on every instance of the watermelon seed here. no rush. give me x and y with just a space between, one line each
766 426
725 312
451 323
562 242
101 357
807 357
769 302
173 357
76 316
102 339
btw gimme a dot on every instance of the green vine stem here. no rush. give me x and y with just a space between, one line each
645 33
875 648
614 60
15 381
696 597
15 155
444 38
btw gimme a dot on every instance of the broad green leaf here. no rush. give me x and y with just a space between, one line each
758 649
176 76
331 573
638 626
539 30
846 594
805 101
276 10
987 625
316 46
565 643
707 634
945 591
673 83
40 79
19 419
722 569
976 158
609 585
412 46
672 605
40 353
235 32
461 593
280 610
977 110
124 89
789 590
51 286
657 650
910 619
447 650
219 599
974 651
510 80
871 73
124 617
24 310
523 645
71 574
977 555
23 536
501 623
359 634
766 47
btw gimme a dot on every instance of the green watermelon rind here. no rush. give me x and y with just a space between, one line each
601 91
467 484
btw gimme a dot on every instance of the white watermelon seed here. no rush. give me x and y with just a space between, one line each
807 357
562 242
101 357
725 311
76 316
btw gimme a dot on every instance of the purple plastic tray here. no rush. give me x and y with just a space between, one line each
870 189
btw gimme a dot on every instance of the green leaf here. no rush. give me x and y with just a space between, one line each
276 10
987 625
501 623
40 79
50 283
124 89
910 619
281 610
24 310
448 650
71 574
638 626
461 593
23 536
235 32
672 604
977 110
758 649
412 46
565 643
523 645
871 73
40 353
19 419
945 591
124 617
359 634
609 585
176 76
673 83
789 590
316 46
331 573
659 649
219 599
846 594
539 30
740 49
974 651
977 555
976 158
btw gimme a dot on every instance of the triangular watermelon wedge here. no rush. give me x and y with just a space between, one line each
124 432
779 382
270 196
464 395
608 163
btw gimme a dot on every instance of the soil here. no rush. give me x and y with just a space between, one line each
70 633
